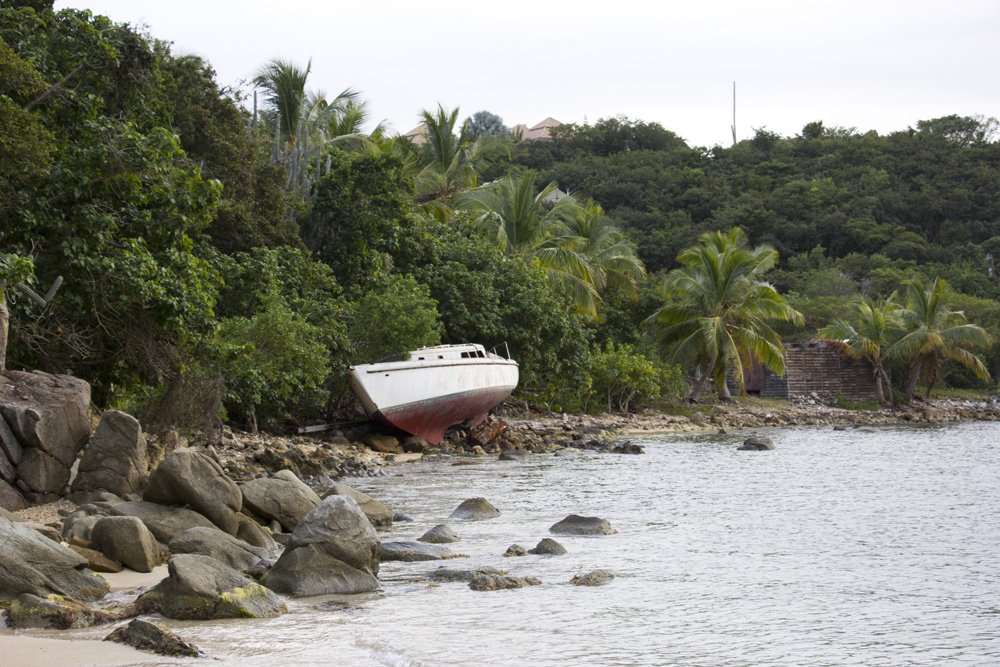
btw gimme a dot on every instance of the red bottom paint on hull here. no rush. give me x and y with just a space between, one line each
430 419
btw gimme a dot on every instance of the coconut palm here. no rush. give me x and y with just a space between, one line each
575 245
879 326
935 333
716 319
591 256
299 112
450 159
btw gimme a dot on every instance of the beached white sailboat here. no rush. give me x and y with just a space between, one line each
435 388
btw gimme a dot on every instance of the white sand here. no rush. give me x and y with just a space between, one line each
45 648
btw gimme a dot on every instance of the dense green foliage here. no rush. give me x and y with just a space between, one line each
240 260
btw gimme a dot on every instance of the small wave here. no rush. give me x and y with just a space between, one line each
386 655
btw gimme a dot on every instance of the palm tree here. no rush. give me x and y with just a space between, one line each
880 325
515 215
576 245
935 333
451 162
589 241
300 112
718 309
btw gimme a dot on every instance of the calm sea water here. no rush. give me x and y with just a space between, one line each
859 547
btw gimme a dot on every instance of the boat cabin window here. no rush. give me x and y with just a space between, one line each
465 355
479 353
420 358
440 356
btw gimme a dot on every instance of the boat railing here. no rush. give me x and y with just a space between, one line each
506 347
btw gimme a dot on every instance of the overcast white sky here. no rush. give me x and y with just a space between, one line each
871 64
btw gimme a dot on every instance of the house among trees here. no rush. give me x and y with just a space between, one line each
823 367
540 131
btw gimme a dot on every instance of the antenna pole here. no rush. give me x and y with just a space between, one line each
733 126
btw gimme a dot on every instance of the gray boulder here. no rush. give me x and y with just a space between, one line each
115 458
97 561
756 445
201 588
46 416
575 524
250 532
334 549
147 636
221 546
32 563
282 498
55 612
439 534
189 477
548 547
164 522
514 455
475 509
376 512
126 540
10 447
79 526
412 551
10 498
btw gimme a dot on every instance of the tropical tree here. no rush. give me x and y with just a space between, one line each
879 327
718 309
450 159
592 256
935 333
485 122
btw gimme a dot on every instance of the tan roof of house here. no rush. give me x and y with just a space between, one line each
542 129
418 135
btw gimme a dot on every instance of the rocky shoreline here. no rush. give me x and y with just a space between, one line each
242 522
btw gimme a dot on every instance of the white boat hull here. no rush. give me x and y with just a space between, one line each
430 392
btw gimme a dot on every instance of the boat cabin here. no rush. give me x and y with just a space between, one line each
466 351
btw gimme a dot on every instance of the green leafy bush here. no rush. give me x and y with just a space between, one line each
624 380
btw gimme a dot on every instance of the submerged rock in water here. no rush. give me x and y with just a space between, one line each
514 455
495 582
475 509
412 551
449 574
548 547
439 534
595 578
756 445
515 550
575 524
147 636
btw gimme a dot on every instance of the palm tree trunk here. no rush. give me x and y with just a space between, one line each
724 389
4 324
698 384
911 384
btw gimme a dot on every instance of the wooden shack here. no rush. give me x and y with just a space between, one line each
825 368
821 367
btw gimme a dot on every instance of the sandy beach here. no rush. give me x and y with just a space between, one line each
43 648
